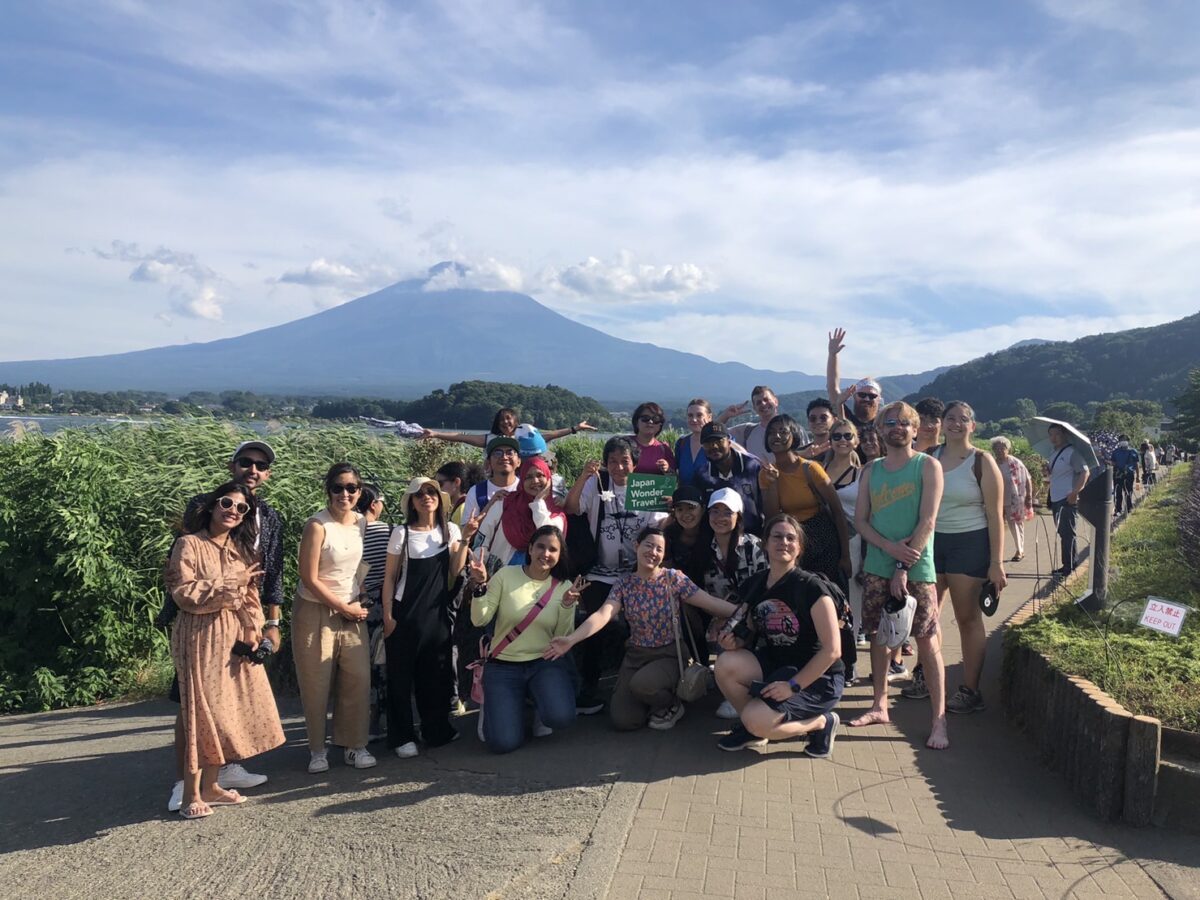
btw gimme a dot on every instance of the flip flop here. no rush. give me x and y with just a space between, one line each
233 799
197 809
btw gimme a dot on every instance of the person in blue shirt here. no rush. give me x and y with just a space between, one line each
1125 469
729 466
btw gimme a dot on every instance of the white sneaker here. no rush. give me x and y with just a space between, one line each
407 751
540 729
726 711
318 761
176 801
359 757
665 720
234 776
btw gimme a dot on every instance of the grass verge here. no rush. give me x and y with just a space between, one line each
1149 673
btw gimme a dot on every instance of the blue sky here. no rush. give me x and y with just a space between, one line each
940 178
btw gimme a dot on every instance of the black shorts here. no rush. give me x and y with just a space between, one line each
966 553
820 697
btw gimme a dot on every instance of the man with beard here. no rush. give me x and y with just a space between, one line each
730 467
859 403
897 506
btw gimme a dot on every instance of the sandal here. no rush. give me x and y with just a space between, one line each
197 809
231 798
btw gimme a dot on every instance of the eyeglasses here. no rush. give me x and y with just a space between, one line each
841 437
504 451
894 423
246 462
345 489
239 506
862 396
650 420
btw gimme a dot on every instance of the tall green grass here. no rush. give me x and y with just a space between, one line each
87 517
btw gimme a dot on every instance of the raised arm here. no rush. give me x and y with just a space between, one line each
563 432
571 505
837 341
454 437
559 646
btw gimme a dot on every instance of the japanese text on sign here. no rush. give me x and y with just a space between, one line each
1162 615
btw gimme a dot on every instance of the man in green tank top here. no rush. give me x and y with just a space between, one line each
898 499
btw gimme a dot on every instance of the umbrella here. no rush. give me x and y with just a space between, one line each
1037 430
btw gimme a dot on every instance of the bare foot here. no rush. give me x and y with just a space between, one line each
938 739
870 717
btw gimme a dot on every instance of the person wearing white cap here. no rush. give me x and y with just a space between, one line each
866 395
250 464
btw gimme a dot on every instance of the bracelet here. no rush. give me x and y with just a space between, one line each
271 623
574 429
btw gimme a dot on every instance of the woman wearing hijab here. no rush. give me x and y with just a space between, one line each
510 519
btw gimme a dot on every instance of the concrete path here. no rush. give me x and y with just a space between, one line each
588 813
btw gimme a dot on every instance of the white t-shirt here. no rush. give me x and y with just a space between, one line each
1065 467
617 551
471 505
421 545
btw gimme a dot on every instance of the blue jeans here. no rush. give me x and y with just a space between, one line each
505 687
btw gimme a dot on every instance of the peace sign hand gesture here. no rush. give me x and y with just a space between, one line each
476 570
471 526
575 591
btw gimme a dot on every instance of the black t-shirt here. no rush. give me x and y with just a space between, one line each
782 618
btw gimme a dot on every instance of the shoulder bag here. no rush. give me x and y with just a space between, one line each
487 652
695 678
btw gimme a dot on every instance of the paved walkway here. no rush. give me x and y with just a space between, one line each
590 813
886 816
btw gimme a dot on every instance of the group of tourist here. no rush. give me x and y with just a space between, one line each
786 546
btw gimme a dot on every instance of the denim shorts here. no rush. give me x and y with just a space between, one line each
818 698
966 553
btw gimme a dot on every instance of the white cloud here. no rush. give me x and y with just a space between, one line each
487 274
625 278
323 273
192 287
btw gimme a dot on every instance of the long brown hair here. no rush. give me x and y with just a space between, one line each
244 534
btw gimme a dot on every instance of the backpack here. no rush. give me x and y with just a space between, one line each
844 613
976 463
582 544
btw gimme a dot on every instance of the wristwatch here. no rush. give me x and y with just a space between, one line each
901 567
795 687
271 623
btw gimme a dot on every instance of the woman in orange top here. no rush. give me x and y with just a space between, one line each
800 488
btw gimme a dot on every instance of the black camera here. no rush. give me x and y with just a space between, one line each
257 655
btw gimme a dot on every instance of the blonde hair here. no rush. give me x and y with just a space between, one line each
855 462
900 409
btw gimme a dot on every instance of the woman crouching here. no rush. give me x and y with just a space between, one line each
651 599
783 672
531 605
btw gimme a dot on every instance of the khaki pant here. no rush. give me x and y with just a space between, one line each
332 653
645 684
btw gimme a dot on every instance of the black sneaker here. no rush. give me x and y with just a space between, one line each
588 704
917 690
740 739
965 701
820 745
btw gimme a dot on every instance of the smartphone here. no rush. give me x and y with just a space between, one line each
756 688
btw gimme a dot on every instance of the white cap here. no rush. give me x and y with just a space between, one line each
727 497
895 622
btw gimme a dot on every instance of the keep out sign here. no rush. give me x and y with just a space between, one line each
1162 615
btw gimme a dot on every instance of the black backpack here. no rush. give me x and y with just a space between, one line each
845 616
582 544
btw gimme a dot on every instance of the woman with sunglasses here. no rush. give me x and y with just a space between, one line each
227 710
329 625
424 560
656 457
651 598
801 488
689 452
504 424
843 467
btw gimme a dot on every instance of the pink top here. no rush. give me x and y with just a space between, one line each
649 457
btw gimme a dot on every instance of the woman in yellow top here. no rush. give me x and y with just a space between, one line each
800 488
518 671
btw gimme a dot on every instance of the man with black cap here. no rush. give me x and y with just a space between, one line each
250 465
503 457
727 466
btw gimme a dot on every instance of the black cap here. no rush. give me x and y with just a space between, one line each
685 493
713 430
989 600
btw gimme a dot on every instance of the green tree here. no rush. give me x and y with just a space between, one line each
1187 417
1025 408
1064 411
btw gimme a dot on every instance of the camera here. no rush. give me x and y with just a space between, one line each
257 655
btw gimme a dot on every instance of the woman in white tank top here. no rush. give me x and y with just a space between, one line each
968 544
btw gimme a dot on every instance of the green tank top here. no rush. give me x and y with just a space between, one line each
895 509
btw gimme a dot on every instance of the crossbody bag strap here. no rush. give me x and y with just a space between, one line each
804 464
676 612
533 613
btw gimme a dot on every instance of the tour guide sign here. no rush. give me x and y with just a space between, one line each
648 493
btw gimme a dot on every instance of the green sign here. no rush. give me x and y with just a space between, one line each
648 493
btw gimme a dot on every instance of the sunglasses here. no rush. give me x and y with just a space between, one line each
245 462
240 506
841 437
345 489
428 492
650 420
868 397
894 423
